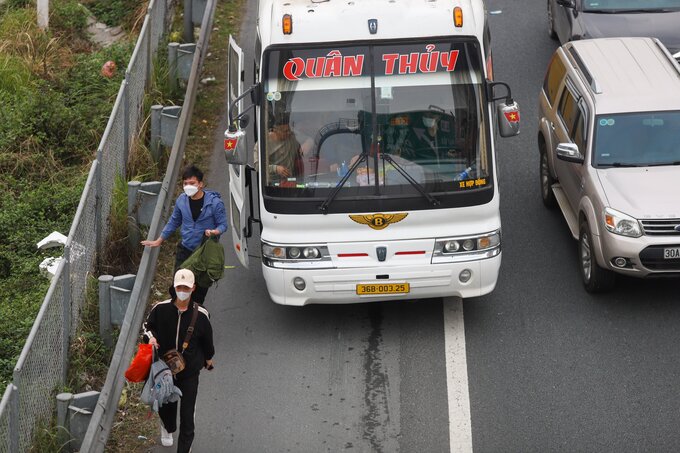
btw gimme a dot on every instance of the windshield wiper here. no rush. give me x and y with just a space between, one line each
627 11
334 193
410 179
620 164
662 164
602 11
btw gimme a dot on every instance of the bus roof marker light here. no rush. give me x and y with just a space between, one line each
287 24
458 17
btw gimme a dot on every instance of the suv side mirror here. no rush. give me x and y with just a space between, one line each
569 152
567 3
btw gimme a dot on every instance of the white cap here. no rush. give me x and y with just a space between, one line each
184 277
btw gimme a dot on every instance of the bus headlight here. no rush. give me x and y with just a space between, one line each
272 251
487 242
451 246
296 256
468 248
311 252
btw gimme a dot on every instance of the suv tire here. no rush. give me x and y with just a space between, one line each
595 278
546 177
551 22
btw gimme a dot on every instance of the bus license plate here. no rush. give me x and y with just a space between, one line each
383 288
671 254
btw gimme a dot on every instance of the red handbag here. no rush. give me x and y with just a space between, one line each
138 370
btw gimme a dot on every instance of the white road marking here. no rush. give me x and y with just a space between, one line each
460 430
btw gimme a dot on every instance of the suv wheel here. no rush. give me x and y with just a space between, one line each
595 278
551 22
547 179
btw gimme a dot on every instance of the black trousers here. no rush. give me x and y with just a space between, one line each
181 256
168 414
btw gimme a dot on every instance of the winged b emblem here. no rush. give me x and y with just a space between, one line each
379 221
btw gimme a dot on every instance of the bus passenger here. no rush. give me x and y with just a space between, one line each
283 151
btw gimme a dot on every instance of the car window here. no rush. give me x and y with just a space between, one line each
568 111
553 77
579 136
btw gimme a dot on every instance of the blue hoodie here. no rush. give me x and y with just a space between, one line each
213 216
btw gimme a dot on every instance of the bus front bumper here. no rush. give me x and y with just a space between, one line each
339 286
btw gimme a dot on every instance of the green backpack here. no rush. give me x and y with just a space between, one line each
207 262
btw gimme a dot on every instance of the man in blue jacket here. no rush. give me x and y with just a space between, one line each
200 213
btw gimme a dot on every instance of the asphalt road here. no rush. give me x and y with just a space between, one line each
550 368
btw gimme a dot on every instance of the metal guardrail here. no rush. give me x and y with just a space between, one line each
43 363
104 413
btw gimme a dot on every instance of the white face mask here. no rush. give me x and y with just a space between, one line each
190 190
183 295
429 122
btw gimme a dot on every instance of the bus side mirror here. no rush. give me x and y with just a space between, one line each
235 146
508 119
507 111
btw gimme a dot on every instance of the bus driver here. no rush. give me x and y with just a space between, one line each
431 143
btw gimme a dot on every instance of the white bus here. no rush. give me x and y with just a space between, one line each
375 169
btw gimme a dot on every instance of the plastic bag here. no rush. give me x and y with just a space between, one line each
141 364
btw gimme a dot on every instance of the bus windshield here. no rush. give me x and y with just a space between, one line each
420 103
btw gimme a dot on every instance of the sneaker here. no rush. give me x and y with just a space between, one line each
166 437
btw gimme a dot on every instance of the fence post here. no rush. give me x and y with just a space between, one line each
149 57
155 141
63 430
14 417
43 13
173 65
132 216
126 123
188 35
98 210
105 282
66 311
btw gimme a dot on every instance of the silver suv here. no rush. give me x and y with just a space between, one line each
609 144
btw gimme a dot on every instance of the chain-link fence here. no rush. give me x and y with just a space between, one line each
6 427
43 364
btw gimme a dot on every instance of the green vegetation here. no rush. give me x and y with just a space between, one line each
54 105
116 12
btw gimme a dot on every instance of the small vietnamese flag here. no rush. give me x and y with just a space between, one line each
230 143
512 116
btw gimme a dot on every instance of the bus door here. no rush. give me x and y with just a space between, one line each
238 192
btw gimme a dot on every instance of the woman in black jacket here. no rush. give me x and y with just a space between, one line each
166 328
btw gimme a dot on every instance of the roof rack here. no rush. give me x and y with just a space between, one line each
665 51
589 78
